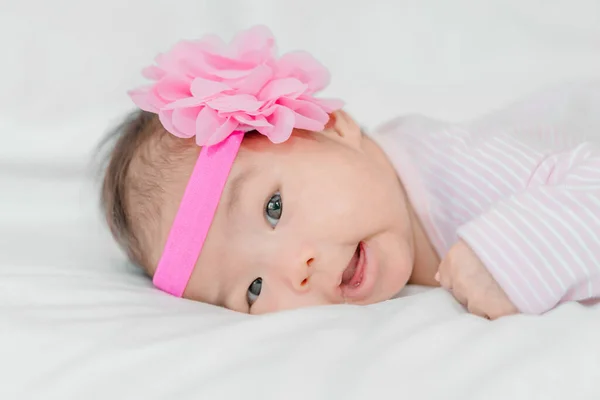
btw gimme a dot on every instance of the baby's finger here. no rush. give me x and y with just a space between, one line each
502 310
460 291
443 277
474 308
460 296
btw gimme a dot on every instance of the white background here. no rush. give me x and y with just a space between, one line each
66 64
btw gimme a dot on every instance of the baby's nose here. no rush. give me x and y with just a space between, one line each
299 267
302 282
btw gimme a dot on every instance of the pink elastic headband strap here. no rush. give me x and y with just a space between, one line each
195 215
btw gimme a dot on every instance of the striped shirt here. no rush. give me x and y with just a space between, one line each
527 202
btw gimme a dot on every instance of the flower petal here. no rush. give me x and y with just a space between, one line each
207 122
184 120
185 103
245 119
238 102
203 88
165 117
306 109
153 72
282 120
222 62
227 73
282 87
225 67
308 124
305 67
254 81
223 131
254 44
328 105
173 87
170 61
144 99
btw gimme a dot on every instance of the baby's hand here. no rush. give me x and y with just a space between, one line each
463 274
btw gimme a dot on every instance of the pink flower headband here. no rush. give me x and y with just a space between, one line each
217 92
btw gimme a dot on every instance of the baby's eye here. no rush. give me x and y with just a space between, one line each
273 209
254 291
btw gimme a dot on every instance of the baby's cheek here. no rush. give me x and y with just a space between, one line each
200 289
397 280
395 271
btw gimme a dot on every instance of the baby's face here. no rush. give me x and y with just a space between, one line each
320 219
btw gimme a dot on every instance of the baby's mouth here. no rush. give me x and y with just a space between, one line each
357 281
354 272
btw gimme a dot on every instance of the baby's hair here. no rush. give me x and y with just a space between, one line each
142 157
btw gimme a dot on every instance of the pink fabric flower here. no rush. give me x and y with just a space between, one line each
209 89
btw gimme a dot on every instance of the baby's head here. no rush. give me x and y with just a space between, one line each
317 218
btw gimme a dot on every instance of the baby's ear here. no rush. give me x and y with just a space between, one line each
342 125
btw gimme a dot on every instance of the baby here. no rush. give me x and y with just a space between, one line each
234 185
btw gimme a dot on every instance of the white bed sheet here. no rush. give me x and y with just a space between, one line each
76 322
72 327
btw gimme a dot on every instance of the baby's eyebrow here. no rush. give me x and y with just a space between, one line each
235 188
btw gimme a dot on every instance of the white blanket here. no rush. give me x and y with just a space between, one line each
76 322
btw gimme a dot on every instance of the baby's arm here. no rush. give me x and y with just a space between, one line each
542 246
